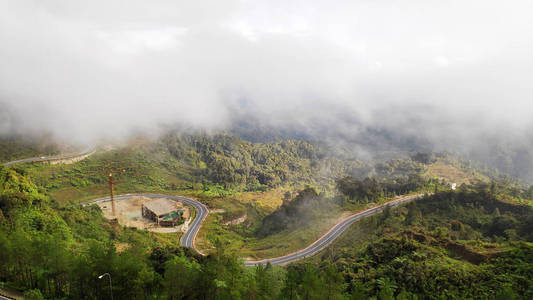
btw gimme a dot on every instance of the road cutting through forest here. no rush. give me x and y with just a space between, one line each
189 237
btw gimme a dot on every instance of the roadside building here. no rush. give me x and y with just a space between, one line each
164 212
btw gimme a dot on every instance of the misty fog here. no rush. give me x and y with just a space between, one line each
444 74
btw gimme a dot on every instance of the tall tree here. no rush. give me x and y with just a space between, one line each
181 276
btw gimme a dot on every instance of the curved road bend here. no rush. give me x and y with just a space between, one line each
50 158
329 236
190 235
188 239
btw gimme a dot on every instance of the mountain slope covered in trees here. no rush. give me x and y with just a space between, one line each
470 243
475 242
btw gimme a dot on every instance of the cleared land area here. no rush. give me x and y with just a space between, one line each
450 173
129 213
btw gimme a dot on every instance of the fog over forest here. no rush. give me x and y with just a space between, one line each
418 75
266 149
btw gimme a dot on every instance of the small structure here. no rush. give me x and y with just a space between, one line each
164 212
454 186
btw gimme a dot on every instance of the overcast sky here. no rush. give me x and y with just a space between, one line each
85 69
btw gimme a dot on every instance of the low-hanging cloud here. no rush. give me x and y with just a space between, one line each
448 71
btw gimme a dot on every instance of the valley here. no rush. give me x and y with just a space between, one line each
307 219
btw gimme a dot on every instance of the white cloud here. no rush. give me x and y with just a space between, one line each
81 67
137 41
441 61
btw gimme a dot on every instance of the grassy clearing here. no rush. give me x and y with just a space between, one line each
267 201
240 239
450 173
134 171
274 245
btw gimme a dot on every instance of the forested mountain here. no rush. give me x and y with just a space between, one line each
468 243
509 153
474 242
234 162
373 150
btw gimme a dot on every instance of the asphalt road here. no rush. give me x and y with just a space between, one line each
330 236
48 158
201 213
188 238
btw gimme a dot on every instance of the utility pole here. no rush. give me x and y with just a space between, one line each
110 177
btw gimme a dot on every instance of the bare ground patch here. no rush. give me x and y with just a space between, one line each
128 213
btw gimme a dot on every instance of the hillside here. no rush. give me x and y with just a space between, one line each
465 244
14 147
265 200
470 243
240 178
210 165
218 165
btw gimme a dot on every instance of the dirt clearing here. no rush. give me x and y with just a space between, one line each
129 213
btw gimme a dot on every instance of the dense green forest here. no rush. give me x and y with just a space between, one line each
469 243
219 165
475 242
206 165
235 163
59 251
461 244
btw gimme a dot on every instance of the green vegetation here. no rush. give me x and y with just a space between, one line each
221 166
17 147
306 206
267 199
200 165
301 218
134 170
256 175
244 166
465 244
254 238
60 249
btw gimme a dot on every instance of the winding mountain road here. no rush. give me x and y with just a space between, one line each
188 239
331 235
50 158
